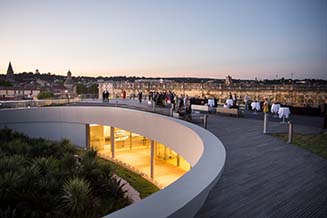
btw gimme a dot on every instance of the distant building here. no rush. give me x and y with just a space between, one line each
299 95
42 83
228 80
17 93
10 73
69 84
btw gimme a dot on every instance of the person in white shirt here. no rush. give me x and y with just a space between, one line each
229 102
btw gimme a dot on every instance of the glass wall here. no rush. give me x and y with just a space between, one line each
100 139
134 150
126 140
171 157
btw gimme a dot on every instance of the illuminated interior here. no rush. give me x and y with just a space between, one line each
134 150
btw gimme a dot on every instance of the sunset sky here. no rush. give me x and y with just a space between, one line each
166 38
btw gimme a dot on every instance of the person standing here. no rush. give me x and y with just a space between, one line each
107 95
234 99
103 95
140 97
185 100
266 106
246 101
229 101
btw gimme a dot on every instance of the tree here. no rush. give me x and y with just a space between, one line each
93 89
5 83
45 95
81 89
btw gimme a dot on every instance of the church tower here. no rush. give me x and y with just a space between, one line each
228 80
10 73
69 83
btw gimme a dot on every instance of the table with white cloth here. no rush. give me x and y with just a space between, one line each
229 102
283 112
211 102
274 108
255 106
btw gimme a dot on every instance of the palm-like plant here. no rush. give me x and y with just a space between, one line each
40 148
6 135
47 165
69 165
90 154
77 197
7 212
12 163
8 183
67 147
15 146
89 166
42 178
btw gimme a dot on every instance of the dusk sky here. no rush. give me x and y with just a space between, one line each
166 38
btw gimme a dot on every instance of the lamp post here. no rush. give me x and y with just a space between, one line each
67 95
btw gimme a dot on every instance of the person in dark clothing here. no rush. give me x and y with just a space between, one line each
180 109
140 97
234 97
107 95
124 94
103 95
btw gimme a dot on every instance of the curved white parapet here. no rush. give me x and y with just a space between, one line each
198 146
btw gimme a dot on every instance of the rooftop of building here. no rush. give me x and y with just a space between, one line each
263 176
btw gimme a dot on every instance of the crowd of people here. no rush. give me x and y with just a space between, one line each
162 98
105 96
232 102
182 103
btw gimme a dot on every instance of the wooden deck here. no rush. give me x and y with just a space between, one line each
263 176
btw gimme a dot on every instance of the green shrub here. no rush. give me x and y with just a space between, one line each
41 178
45 95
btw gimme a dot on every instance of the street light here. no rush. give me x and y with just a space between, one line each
67 95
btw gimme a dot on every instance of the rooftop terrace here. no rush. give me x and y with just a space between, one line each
263 176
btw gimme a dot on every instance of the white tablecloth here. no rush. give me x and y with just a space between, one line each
284 111
211 102
274 108
255 105
229 102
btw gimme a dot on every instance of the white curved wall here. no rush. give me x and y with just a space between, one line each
75 132
198 146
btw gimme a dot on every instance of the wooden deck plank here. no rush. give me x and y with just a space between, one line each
264 176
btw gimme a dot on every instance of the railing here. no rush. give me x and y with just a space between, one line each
88 96
37 103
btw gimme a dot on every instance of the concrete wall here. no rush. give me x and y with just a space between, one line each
52 130
293 94
198 146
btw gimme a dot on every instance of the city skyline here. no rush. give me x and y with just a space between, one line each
212 39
